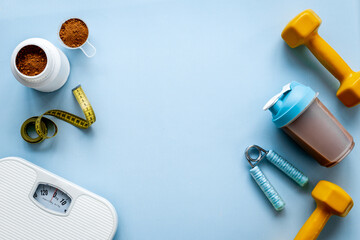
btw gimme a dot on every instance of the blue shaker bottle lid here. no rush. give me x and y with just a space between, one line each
287 105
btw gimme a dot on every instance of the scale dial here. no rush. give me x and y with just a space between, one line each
52 198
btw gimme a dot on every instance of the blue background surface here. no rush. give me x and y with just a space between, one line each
178 89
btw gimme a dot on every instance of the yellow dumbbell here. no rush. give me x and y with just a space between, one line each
331 200
303 30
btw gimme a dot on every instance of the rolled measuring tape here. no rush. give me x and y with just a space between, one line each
42 123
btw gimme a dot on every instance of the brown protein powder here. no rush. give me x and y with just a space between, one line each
74 32
31 60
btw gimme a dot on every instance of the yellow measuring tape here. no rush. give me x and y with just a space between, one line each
42 123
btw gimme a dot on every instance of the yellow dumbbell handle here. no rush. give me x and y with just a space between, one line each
313 226
328 57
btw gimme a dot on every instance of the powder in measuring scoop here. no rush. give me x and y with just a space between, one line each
31 60
74 32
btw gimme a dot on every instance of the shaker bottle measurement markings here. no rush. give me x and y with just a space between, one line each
41 123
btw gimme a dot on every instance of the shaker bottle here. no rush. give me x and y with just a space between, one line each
298 111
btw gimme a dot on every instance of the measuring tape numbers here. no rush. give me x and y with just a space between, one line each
42 123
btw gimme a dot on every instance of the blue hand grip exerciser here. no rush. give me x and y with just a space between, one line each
281 164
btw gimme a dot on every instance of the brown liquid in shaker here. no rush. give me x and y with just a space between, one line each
31 60
330 142
74 32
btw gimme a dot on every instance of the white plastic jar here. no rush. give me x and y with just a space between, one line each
55 73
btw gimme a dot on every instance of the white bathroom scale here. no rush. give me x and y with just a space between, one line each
37 204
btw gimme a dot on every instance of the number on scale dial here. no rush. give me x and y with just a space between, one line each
52 198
